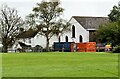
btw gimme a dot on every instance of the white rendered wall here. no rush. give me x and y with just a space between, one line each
41 40
79 30
63 36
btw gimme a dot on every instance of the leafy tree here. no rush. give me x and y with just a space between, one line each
109 33
10 23
114 15
46 17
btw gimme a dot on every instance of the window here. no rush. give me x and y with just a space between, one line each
66 38
80 38
73 31
59 38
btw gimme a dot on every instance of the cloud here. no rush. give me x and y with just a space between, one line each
20 0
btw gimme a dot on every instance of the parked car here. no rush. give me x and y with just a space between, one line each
100 47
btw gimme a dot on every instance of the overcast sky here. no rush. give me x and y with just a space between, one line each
72 7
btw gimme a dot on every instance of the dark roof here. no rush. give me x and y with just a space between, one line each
91 22
27 34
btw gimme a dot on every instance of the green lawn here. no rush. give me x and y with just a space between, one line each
59 65
0 66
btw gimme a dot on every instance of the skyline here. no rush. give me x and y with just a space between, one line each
97 8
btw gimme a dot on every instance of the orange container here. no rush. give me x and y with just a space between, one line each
83 47
91 47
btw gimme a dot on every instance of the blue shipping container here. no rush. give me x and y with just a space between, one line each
62 46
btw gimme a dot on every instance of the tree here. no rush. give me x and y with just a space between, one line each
109 33
10 23
114 15
47 18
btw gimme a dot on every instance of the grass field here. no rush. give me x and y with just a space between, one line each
0 66
59 65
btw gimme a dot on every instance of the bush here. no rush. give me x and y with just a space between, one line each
116 49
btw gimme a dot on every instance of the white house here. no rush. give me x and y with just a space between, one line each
82 30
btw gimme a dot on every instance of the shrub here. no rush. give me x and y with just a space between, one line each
116 49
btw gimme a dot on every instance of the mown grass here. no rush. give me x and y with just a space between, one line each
0 65
60 65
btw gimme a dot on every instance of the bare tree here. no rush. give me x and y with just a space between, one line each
10 24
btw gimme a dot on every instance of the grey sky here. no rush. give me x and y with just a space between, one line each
72 7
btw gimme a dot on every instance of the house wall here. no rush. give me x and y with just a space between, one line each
79 30
41 40
63 37
37 40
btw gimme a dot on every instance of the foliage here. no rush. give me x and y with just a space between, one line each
109 33
60 65
46 17
116 49
10 23
114 15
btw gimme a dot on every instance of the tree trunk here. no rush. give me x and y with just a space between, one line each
5 45
5 49
47 44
